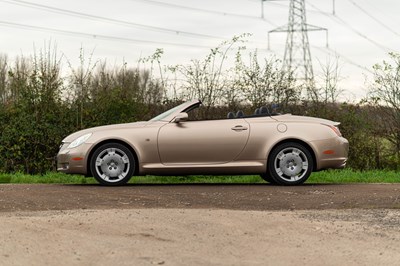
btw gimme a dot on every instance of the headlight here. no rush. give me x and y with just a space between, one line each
79 141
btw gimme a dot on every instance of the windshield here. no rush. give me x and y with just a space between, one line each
167 113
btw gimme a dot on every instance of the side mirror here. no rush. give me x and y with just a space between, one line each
181 117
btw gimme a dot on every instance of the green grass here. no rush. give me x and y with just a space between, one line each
49 178
332 176
351 176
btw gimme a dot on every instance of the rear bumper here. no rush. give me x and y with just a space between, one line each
73 161
331 153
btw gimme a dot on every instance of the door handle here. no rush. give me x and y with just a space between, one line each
239 128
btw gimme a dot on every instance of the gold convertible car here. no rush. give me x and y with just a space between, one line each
283 149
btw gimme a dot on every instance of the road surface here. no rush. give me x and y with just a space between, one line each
252 224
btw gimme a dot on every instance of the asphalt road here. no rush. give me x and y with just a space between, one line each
15 198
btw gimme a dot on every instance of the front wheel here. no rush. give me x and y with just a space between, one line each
290 164
112 164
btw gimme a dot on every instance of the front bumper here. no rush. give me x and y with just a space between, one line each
73 161
331 153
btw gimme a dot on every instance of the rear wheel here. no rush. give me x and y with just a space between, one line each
112 164
290 164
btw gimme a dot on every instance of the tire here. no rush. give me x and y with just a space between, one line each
268 178
112 164
290 164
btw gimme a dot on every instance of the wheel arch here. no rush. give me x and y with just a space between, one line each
129 147
305 144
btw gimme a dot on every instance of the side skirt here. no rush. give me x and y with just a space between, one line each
231 168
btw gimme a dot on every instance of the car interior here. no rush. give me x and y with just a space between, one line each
259 112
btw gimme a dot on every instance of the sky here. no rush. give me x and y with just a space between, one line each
361 32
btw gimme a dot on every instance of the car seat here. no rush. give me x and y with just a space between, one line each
239 114
230 115
264 110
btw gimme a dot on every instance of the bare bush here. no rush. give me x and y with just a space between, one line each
329 90
265 83
385 94
208 79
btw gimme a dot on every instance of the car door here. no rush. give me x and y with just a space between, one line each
202 142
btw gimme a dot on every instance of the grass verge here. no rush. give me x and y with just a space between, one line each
331 176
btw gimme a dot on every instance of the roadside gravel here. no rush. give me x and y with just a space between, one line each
200 237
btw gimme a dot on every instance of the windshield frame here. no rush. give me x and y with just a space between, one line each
170 114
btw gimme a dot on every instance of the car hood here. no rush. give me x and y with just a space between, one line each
304 119
77 134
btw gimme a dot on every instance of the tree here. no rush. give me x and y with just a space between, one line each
3 79
385 94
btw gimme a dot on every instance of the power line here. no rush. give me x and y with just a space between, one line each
377 9
96 36
374 18
283 6
325 50
113 38
104 19
381 46
169 5
331 52
110 20
103 37
164 4
318 10
344 23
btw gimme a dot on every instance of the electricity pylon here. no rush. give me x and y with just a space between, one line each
297 58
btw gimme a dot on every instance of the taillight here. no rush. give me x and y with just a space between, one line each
335 129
